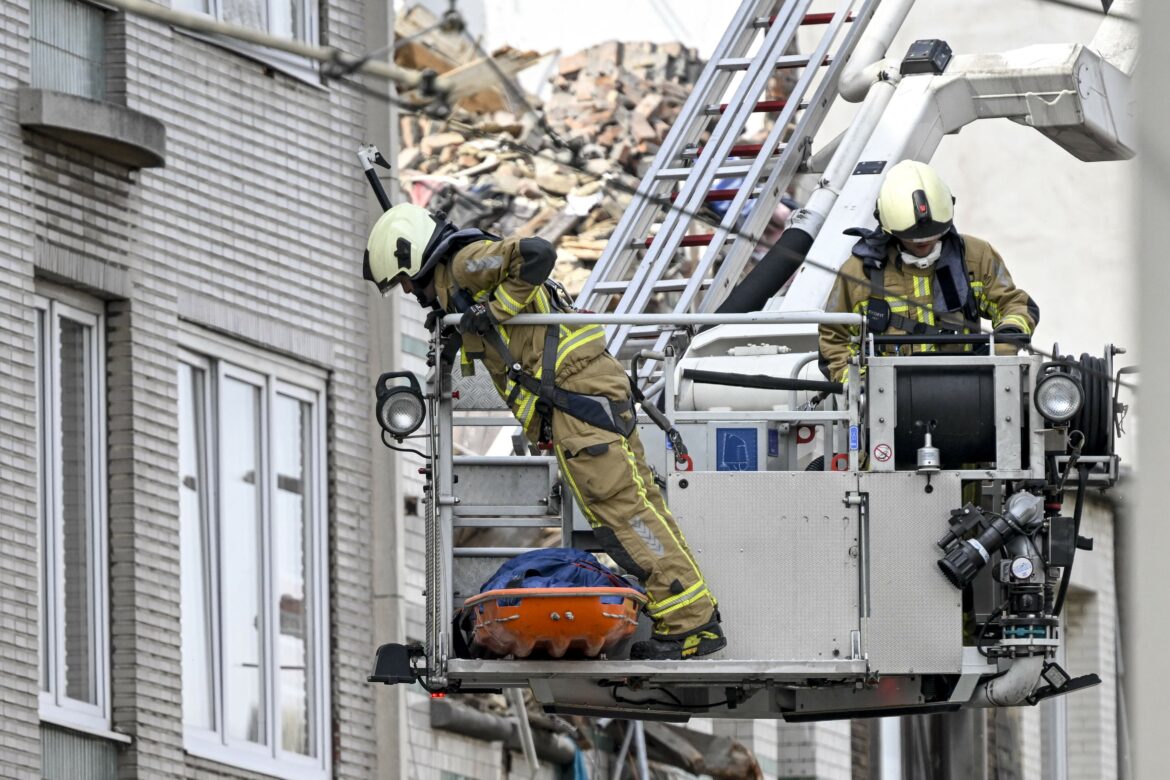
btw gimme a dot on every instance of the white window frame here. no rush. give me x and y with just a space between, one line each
221 360
302 68
55 706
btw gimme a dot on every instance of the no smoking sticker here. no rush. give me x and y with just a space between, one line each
882 453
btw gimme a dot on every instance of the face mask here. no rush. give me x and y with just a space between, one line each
923 262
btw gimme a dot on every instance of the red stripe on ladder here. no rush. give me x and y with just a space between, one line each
701 239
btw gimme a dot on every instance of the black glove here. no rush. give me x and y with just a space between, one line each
477 319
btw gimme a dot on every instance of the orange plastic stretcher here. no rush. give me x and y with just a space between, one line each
518 621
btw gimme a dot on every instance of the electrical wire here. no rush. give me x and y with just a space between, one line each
983 628
411 450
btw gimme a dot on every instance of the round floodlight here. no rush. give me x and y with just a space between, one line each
399 409
1059 397
401 413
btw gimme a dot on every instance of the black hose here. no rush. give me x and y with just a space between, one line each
761 381
772 272
1082 484
1095 417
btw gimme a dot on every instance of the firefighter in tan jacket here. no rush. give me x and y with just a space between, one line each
918 275
565 389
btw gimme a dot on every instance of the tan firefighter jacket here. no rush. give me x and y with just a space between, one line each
509 276
921 298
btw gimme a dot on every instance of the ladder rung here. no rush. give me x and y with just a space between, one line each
741 150
646 331
666 285
717 195
726 172
762 106
809 19
507 522
787 61
698 239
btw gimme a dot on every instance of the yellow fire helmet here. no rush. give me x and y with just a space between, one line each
914 204
397 243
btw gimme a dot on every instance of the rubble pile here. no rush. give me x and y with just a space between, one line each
566 179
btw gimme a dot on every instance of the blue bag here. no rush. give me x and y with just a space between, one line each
556 567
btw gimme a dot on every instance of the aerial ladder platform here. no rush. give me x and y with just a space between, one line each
857 577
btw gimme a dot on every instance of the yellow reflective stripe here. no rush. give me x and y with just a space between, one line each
664 612
928 308
526 408
580 338
1016 319
530 402
686 598
541 297
581 502
509 304
641 486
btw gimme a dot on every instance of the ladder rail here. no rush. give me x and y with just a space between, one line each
779 38
773 189
636 220
707 166
735 258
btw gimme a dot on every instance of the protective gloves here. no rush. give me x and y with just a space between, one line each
477 319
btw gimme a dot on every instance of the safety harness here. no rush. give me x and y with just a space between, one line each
880 317
596 410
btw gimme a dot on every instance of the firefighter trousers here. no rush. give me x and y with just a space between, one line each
616 491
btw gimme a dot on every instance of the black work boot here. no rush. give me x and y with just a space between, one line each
704 640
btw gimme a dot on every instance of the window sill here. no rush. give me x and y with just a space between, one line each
63 721
110 131
207 747
300 69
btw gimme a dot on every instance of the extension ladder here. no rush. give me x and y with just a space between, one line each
637 269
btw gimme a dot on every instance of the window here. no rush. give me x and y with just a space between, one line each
67 47
253 541
71 420
293 19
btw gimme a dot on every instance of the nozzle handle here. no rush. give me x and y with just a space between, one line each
370 156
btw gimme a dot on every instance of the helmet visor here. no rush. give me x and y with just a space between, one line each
923 240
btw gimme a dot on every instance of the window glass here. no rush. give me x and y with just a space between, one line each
192 6
248 13
239 410
193 540
46 460
77 521
290 431
67 47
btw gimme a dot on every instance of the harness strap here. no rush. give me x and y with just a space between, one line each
548 370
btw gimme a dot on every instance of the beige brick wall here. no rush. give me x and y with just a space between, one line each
254 229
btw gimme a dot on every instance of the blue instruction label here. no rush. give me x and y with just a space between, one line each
853 443
737 449
773 442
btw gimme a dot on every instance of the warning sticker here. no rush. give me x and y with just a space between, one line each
882 453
